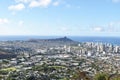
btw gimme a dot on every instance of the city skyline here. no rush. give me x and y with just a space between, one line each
60 17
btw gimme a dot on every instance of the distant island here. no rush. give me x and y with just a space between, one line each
63 39
10 49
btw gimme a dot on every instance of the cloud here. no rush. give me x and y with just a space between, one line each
115 1
40 3
4 21
64 29
23 1
98 29
17 7
56 3
109 27
35 3
20 23
114 26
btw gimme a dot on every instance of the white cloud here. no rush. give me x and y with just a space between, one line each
20 23
40 3
115 1
17 7
4 21
64 29
34 4
111 24
56 3
109 27
114 26
98 29
23 1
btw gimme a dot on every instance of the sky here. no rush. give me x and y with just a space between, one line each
60 17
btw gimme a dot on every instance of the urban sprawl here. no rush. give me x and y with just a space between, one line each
58 59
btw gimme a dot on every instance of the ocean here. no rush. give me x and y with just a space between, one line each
111 40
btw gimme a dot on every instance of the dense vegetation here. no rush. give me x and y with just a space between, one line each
36 73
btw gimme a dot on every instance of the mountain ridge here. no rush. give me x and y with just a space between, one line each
63 39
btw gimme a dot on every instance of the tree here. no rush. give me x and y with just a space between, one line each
101 76
80 75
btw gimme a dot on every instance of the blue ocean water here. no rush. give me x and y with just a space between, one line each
112 40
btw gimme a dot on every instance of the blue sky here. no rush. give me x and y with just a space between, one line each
60 17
